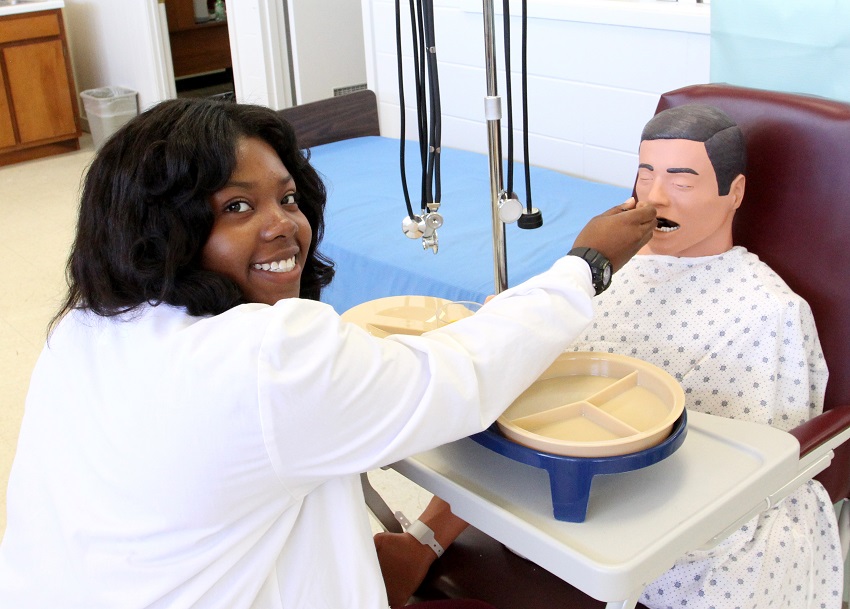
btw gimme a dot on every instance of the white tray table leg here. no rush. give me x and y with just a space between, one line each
629 603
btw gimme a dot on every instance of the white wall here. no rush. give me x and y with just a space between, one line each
117 43
258 46
124 43
327 47
596 69
596 66
326 44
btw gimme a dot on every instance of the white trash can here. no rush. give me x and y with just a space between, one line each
107 110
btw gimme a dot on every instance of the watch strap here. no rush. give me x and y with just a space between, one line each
598 264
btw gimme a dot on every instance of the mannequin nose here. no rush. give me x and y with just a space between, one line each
657 194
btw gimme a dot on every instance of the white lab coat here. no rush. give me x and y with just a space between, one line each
174 461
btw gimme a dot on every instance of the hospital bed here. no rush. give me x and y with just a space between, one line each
796 218
365 209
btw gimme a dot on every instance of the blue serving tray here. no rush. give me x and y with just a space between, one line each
570 477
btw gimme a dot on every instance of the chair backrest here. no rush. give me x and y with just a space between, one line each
796 211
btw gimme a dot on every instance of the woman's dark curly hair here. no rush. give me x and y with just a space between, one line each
145 214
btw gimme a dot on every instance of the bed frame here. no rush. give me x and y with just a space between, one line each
334 119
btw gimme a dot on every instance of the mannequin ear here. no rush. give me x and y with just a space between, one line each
736 190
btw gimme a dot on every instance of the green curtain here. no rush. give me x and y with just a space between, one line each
799 46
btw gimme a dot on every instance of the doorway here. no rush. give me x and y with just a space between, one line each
200 48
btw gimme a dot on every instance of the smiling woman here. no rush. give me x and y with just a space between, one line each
260 237
196 415
154 251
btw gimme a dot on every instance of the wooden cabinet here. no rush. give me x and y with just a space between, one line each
7 127
38 99
196 48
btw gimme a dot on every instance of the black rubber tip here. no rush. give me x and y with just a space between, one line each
530 220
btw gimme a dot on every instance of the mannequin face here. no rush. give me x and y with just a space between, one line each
677 178
260 238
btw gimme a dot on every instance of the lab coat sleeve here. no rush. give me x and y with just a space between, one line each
335 400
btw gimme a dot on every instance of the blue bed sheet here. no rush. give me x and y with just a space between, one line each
373 257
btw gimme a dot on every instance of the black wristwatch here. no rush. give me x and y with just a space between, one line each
600 267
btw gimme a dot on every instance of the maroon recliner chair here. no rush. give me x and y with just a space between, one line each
795 217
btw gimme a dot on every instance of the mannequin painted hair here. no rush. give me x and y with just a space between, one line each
145 214
723 139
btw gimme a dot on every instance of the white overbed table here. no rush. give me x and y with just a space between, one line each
638 523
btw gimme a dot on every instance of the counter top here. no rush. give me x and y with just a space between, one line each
29 6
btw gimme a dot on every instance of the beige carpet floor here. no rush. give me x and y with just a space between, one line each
38 205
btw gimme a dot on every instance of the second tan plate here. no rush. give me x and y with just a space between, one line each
590 404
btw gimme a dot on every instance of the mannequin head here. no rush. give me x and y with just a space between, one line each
691 168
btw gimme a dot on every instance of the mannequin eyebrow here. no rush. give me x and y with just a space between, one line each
669 170
682 170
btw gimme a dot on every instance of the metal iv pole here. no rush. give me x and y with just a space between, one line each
493 114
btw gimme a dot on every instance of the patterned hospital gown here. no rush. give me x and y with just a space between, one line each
743 346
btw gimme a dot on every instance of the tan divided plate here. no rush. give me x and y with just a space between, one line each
590 404
403 315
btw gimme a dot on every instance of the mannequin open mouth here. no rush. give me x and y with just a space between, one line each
666 226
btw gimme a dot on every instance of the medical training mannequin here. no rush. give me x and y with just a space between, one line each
742 345
197 421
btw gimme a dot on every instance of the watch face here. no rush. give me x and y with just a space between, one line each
606 275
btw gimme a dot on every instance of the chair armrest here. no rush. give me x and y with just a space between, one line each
822 428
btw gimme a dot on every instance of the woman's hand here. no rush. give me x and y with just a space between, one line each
619 233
